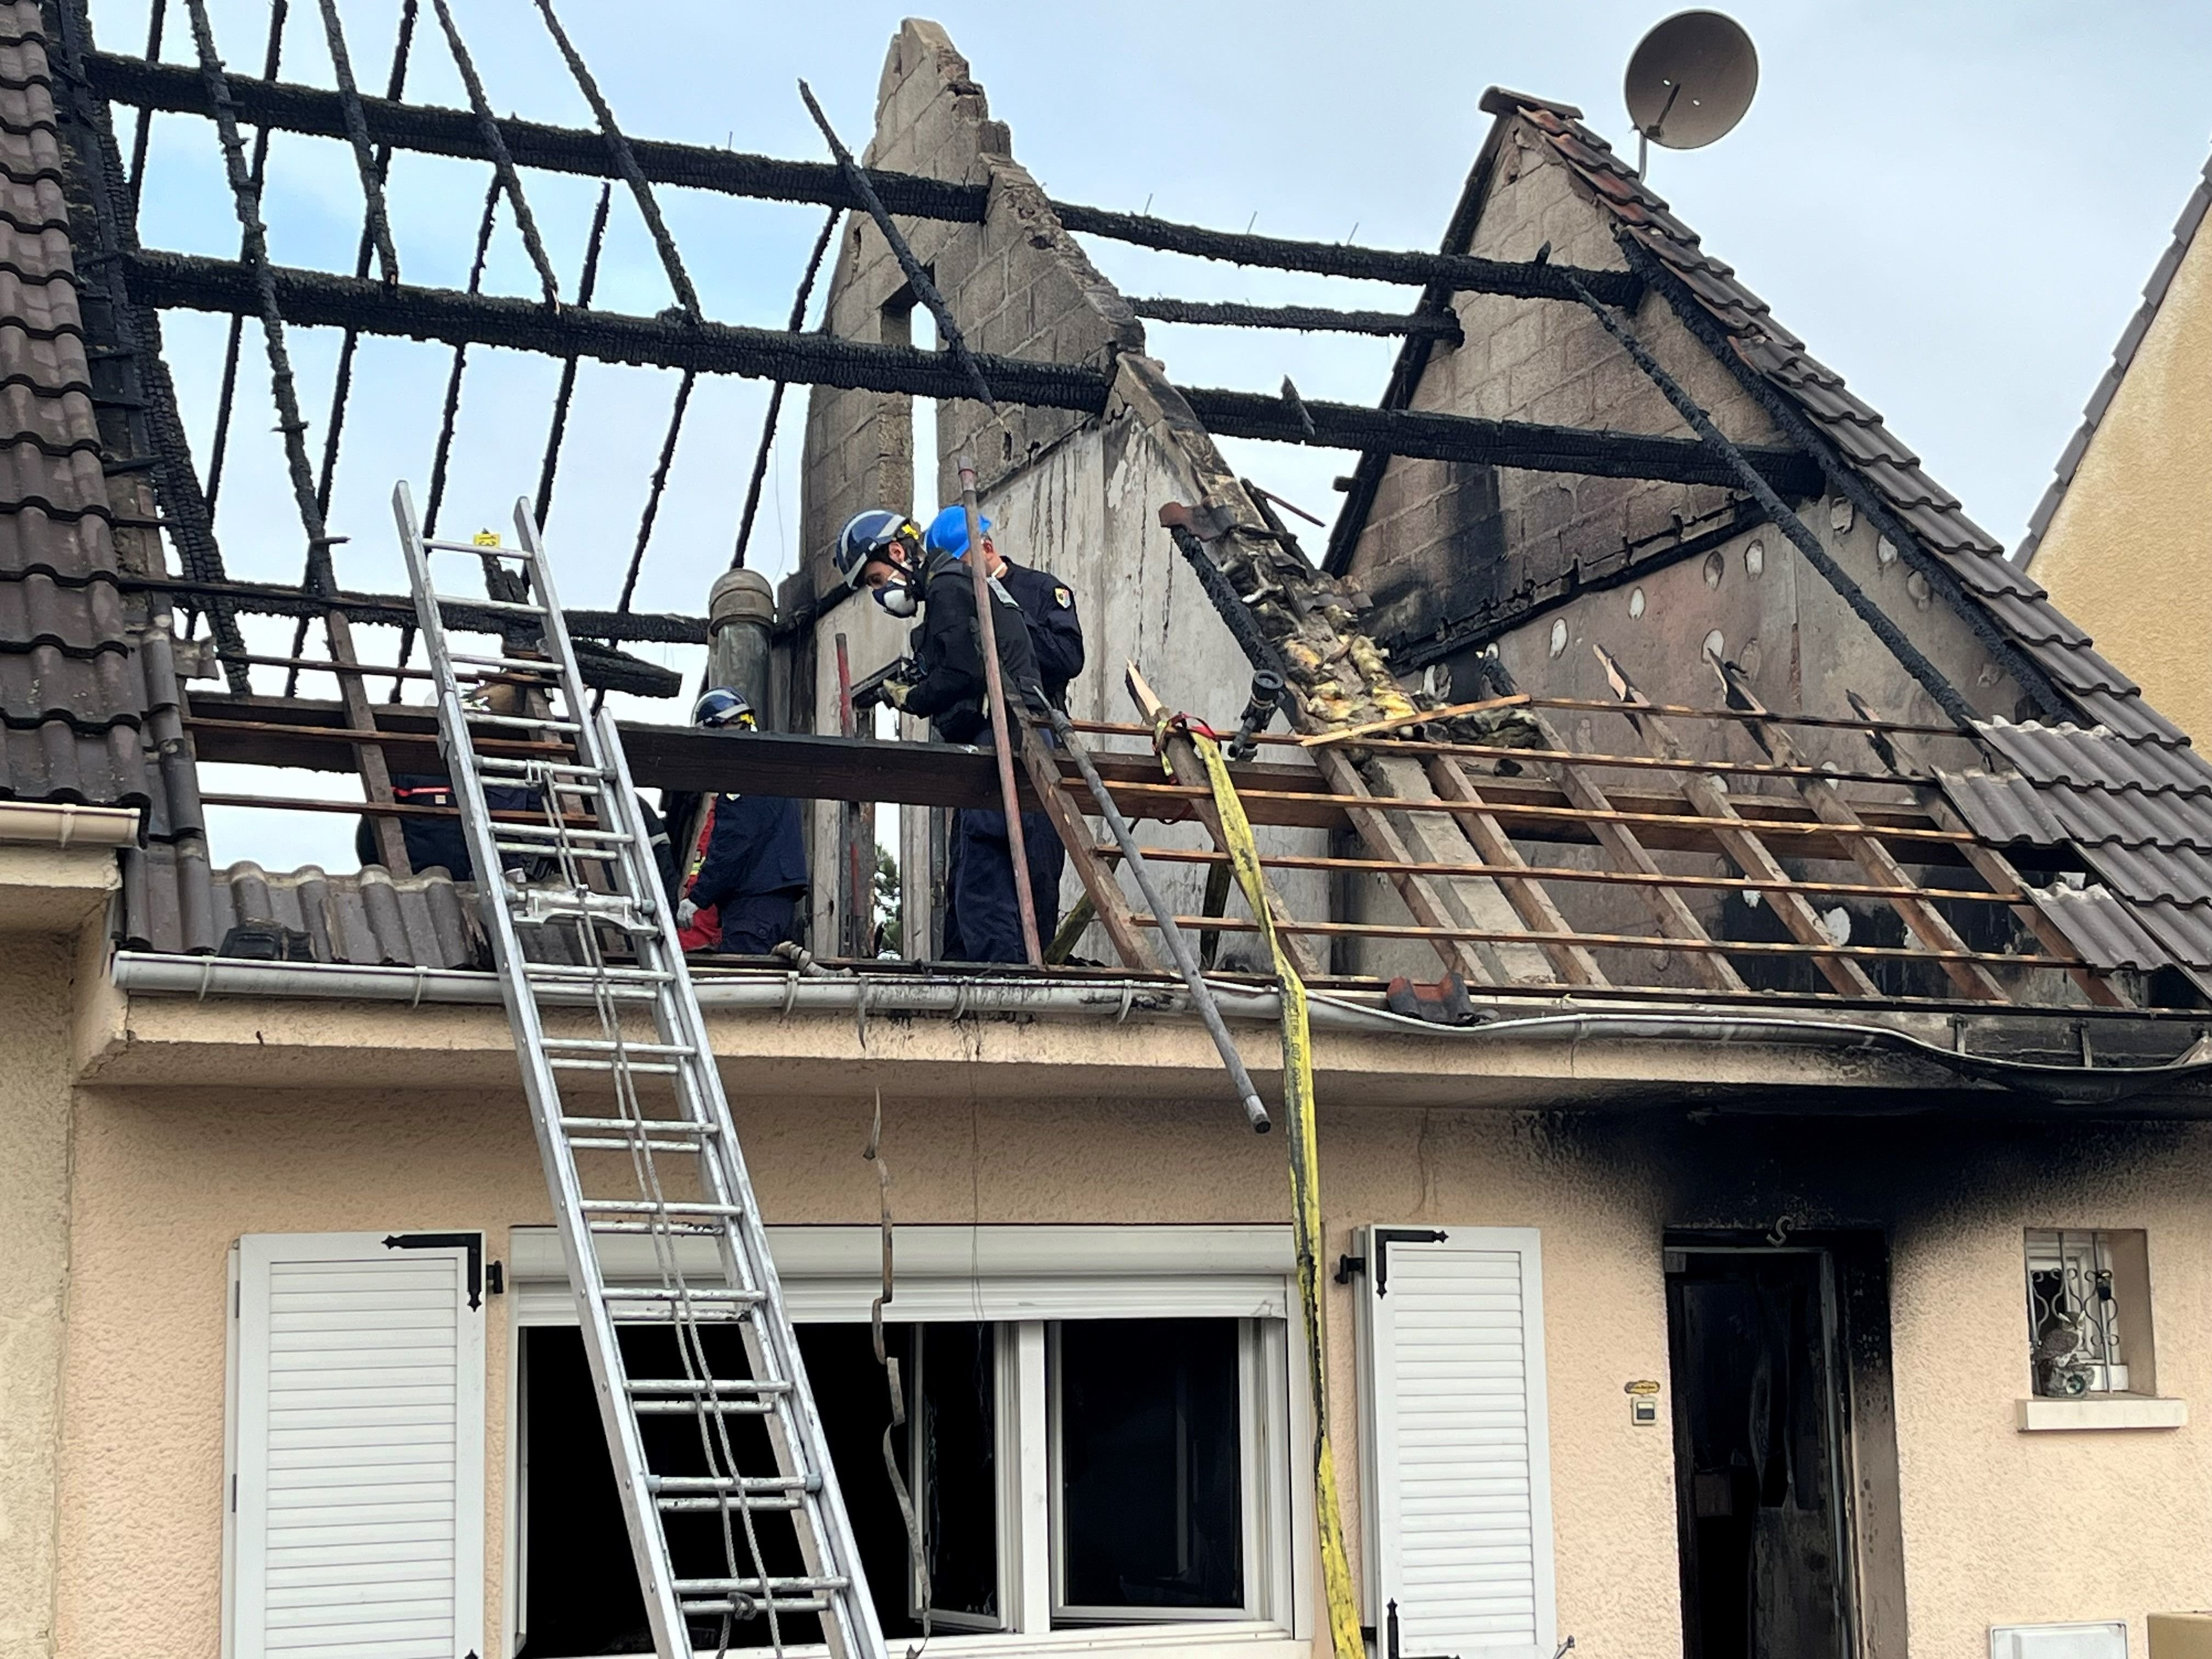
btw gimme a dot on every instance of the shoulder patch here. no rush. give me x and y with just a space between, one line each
1063 599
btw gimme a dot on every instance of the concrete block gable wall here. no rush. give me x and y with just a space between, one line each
1017 283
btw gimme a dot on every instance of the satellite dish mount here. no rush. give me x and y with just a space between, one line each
1689 82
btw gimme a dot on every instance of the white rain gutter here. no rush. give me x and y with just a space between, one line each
59 824
856 998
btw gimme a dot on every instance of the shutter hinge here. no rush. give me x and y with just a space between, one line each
1345 1267
1391 1647
495 1278
472 1242
234 1494
1382 1238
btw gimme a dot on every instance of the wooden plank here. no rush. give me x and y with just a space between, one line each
1605 941
1189 771
1749 853
2011 895
1925 923
1626 850
1377 831
368 757
1574 962
1105 894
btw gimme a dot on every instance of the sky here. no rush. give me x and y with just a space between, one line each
1955 205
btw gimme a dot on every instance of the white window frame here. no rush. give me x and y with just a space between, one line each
249 1259
1023 1278
1262 1388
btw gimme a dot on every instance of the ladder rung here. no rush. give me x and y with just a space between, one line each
563 832
703 1408
610 1143
643 1067
471 602
717 1293
716 1385
669 1229
569 971
520 554
751 1609
752 1506
666 1315
540 849
650 1206
524 722
603 1046
509 764
537 666
659 1126
749 1485
754 1586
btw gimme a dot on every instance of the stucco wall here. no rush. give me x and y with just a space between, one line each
34 1147
1998 1525
2128 553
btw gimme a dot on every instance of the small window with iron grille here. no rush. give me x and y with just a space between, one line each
2088 1312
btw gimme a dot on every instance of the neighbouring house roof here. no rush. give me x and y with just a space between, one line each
2124 356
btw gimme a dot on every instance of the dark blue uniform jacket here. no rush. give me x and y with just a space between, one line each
756 848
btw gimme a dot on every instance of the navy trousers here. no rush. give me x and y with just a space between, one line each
983 918
755 924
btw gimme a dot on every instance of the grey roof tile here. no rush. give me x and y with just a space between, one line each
368 919
2106 932
2004 806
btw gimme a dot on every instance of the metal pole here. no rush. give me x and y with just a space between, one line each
1178 945
994 699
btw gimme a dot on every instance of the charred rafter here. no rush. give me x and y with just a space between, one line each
309 298
291 108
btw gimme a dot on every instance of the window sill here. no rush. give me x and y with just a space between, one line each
2108 1412
1248 1639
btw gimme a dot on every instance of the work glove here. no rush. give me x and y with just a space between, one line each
895 693
686 914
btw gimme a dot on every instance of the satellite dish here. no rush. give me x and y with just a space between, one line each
1691 80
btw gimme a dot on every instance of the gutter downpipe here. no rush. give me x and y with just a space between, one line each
202 977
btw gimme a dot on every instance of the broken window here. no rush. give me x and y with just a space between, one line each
2088 1312
1149 1489
1164 1452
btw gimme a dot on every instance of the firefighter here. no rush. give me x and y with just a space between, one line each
747 866
885 552
442 843
1047 607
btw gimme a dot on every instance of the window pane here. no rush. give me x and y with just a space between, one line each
1150 1494
955 1432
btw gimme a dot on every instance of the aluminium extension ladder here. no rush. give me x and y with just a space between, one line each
658 1198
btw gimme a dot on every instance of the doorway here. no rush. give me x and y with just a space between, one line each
1759 1453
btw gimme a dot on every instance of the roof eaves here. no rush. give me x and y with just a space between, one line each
2193 213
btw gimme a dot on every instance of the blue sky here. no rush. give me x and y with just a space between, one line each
1954 205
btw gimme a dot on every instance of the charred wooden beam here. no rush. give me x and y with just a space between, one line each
1308 319
289 107
314 297
398 610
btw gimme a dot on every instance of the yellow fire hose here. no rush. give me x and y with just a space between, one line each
1305 1191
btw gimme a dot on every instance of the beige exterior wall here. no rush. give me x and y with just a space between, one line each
1999 1525
2128 553
35 1152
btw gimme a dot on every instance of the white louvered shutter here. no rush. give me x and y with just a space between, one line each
356 1448
1456 1456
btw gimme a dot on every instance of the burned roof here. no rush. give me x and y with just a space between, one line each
1742 322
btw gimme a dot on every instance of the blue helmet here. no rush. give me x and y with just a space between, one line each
948 531
723 706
